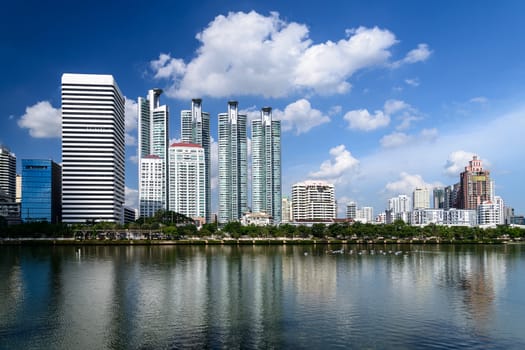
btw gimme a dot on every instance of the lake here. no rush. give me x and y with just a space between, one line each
284 297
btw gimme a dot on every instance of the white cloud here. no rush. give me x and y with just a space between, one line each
277 58
131 197
412 82
42 120
419 54
361 119
456 162
300 117
407 183
394 106
398 139
395 139
335 169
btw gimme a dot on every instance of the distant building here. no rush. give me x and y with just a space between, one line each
364 215
233 165
266 165
451 196
257 219
313 200
93 149
41 190
187 180
286 208
438 198
351 210
460 217
7 175
399 208
421 198
153 129
130 215
490 213
18 198
195 129
476 186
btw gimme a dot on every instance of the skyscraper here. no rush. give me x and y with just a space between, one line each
421 198
195 128
313 200
351 210
266 165
93 148
153 127
439 197
7 175
41 190
233 165
187 171
475 185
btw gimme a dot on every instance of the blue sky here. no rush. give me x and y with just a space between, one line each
377 97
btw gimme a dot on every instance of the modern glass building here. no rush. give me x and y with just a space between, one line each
233 165
93 149
195 128
41 190
153 126
266 165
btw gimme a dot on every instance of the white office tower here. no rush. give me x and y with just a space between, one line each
399 208
266 165
313 201
233 165
187 180
152 185
93 149
153 125
286 208
7 175
421 198
195 128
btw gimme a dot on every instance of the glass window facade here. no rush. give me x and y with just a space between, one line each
41 190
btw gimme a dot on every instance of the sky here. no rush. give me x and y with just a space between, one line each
377 97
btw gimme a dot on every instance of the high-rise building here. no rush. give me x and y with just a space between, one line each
266 165
233 165
313 200
476 186
451 196
18 198
41 190
351 210
286 208
399 208
439 197
421 198
152 185
187 180
195 128
7 175
93 146
153 125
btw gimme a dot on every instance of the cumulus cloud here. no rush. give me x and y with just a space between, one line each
397 139
361 119
277 58
419 54
456 162
42 120
300 117
340 164
131 197
407 183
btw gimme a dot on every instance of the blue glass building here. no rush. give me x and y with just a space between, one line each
41 190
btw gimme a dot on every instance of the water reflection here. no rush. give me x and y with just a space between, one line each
260 296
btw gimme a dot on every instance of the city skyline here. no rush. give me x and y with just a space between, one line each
409 109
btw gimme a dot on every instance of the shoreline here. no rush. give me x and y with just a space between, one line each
242 241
